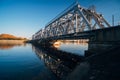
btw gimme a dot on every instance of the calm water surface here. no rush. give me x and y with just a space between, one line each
74 48
27 62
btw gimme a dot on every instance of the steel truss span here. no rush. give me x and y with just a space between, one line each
72 20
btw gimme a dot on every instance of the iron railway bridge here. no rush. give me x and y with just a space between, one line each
77 22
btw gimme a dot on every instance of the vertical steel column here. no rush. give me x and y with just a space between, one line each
76 16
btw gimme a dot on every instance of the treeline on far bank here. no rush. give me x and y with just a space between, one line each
10 37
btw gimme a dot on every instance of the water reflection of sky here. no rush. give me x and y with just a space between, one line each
74 48
21 63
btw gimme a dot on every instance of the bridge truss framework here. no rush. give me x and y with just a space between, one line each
72 20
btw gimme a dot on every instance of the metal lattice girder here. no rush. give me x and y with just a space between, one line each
72 20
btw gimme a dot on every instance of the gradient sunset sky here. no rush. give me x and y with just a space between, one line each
25 17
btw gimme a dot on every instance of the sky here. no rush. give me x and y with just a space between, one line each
23 18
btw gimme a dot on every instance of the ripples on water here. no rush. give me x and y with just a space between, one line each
27 62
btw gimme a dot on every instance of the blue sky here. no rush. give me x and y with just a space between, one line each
25 17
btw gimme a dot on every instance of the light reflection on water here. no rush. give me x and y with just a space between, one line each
8 44
73 47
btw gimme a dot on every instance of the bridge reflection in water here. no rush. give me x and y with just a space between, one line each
59 62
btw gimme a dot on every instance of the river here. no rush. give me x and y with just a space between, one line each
28 62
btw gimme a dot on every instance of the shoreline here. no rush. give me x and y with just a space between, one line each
11 41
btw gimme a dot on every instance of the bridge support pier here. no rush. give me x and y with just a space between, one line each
104 40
